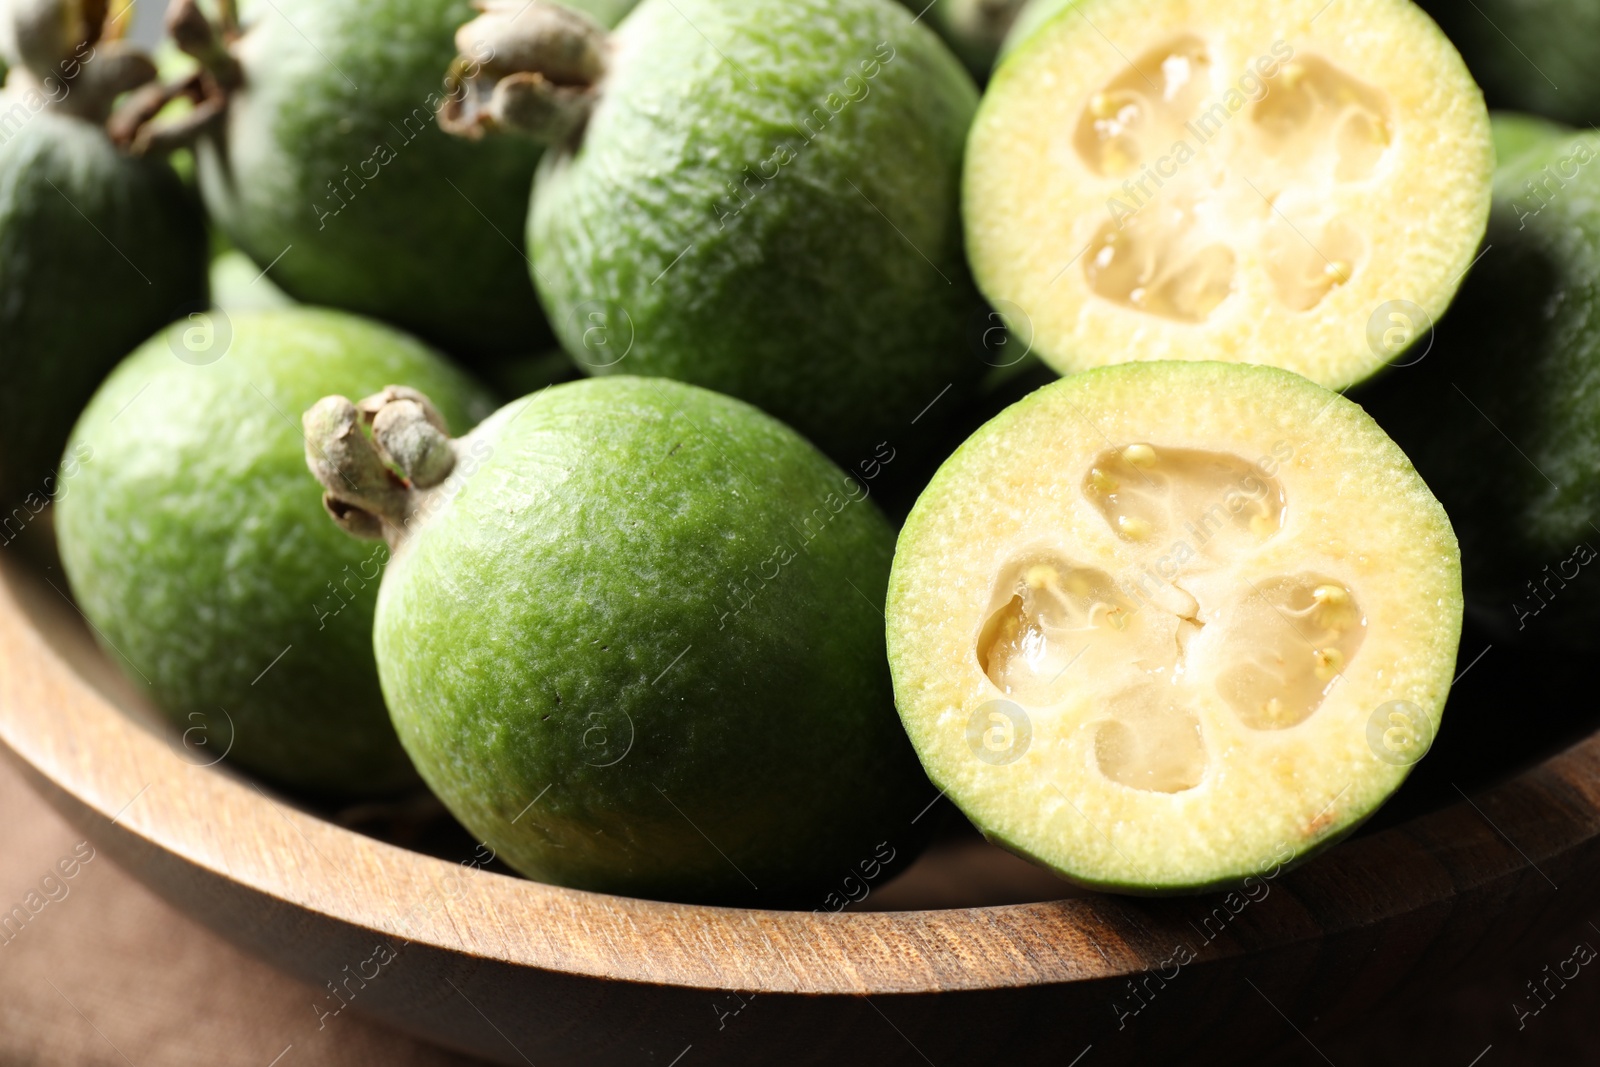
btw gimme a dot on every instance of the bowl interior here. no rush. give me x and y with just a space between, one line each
1497 685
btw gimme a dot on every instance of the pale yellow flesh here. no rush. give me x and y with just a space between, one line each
1199 584
1247 182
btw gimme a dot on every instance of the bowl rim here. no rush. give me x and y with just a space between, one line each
123 778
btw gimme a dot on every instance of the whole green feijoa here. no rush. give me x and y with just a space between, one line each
974 29
756 196
1541 56
634 641
98 250
202 556
330 169
1500 412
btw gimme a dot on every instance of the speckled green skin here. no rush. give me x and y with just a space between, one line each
197 545
1535 55
336 84
1502 417
805 301
567 660
70 304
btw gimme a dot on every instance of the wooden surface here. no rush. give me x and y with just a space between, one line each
111 975
520 972
107 974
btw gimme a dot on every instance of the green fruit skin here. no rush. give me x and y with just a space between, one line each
97 252
1515 133
332 152
196 542
237 284
618 659
1502 416
805 300
1541 56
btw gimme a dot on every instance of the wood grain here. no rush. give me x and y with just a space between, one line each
520 972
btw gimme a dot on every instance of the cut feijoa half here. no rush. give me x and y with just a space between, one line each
1163 626
1245 182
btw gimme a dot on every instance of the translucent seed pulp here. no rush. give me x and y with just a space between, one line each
1144 107
1211 166
1054 612
1057 627
1289 641
1203 502
1151 742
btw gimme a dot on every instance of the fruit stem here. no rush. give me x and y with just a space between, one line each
61 50
195 36
378 460
134 125
530 68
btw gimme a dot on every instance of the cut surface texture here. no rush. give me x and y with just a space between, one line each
1250 182
1141 624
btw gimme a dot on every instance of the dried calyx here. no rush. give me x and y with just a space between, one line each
67 55
526 68
379 460
137 123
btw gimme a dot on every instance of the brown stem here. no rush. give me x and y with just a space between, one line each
378 460
530 68
65 50
195 36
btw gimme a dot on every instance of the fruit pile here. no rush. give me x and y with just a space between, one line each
676 526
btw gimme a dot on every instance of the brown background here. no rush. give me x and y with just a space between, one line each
111 976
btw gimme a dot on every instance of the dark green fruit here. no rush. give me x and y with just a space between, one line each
631 637
202 556
974 29
1502 417
97 251
757 197
330 157
1534 55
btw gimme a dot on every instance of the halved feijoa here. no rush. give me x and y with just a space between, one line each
1162 626
1245 182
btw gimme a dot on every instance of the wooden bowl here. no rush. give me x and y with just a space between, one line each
982 960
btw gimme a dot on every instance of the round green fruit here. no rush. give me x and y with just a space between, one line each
1165 626
1541 56
974 29
329 167
756 197
98 250
1166 179
201 554
238 285
631 637
1502 416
